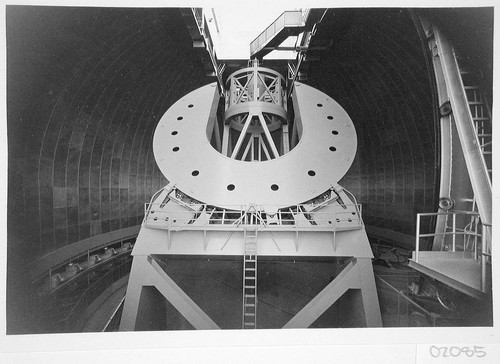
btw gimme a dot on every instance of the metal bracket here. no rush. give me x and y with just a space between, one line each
445 109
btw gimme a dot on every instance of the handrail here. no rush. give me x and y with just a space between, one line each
207 217
276 26
470 230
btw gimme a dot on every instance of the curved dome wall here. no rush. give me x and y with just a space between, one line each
377 69
86 87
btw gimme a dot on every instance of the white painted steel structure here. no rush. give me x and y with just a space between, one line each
285 205
465 135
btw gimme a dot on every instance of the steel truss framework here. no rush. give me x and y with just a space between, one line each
235 191
256 110
176 224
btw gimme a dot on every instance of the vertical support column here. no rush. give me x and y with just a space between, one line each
226 140
133 297
369 293
285 144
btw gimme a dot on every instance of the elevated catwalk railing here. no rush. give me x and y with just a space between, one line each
277 32
207 217
466 261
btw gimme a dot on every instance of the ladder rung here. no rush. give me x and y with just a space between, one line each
481 118
249 295
484 135
487 152
250 269
249 304
249 314
250 277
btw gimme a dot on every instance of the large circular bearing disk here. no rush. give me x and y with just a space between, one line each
324 154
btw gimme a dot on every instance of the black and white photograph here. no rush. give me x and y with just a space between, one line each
249 175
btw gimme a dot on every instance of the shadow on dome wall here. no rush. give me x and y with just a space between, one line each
86 88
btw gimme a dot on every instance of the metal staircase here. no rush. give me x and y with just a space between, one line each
249 319
481 115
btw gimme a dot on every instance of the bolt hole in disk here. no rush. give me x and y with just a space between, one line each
175 165
190 106
335 132
320 105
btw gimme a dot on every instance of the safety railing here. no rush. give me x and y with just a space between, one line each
465 233
206 217
68 271
287 19
407 311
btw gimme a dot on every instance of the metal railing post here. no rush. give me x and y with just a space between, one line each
483 258
417 237
454 236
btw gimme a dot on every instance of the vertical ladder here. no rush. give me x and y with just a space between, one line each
249 318
481 115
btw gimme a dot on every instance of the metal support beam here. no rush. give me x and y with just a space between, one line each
242 136
225 139
268 136
218 142
285 144
264 148
181 301
478 173
328 296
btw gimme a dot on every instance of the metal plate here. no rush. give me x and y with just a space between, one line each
324 154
